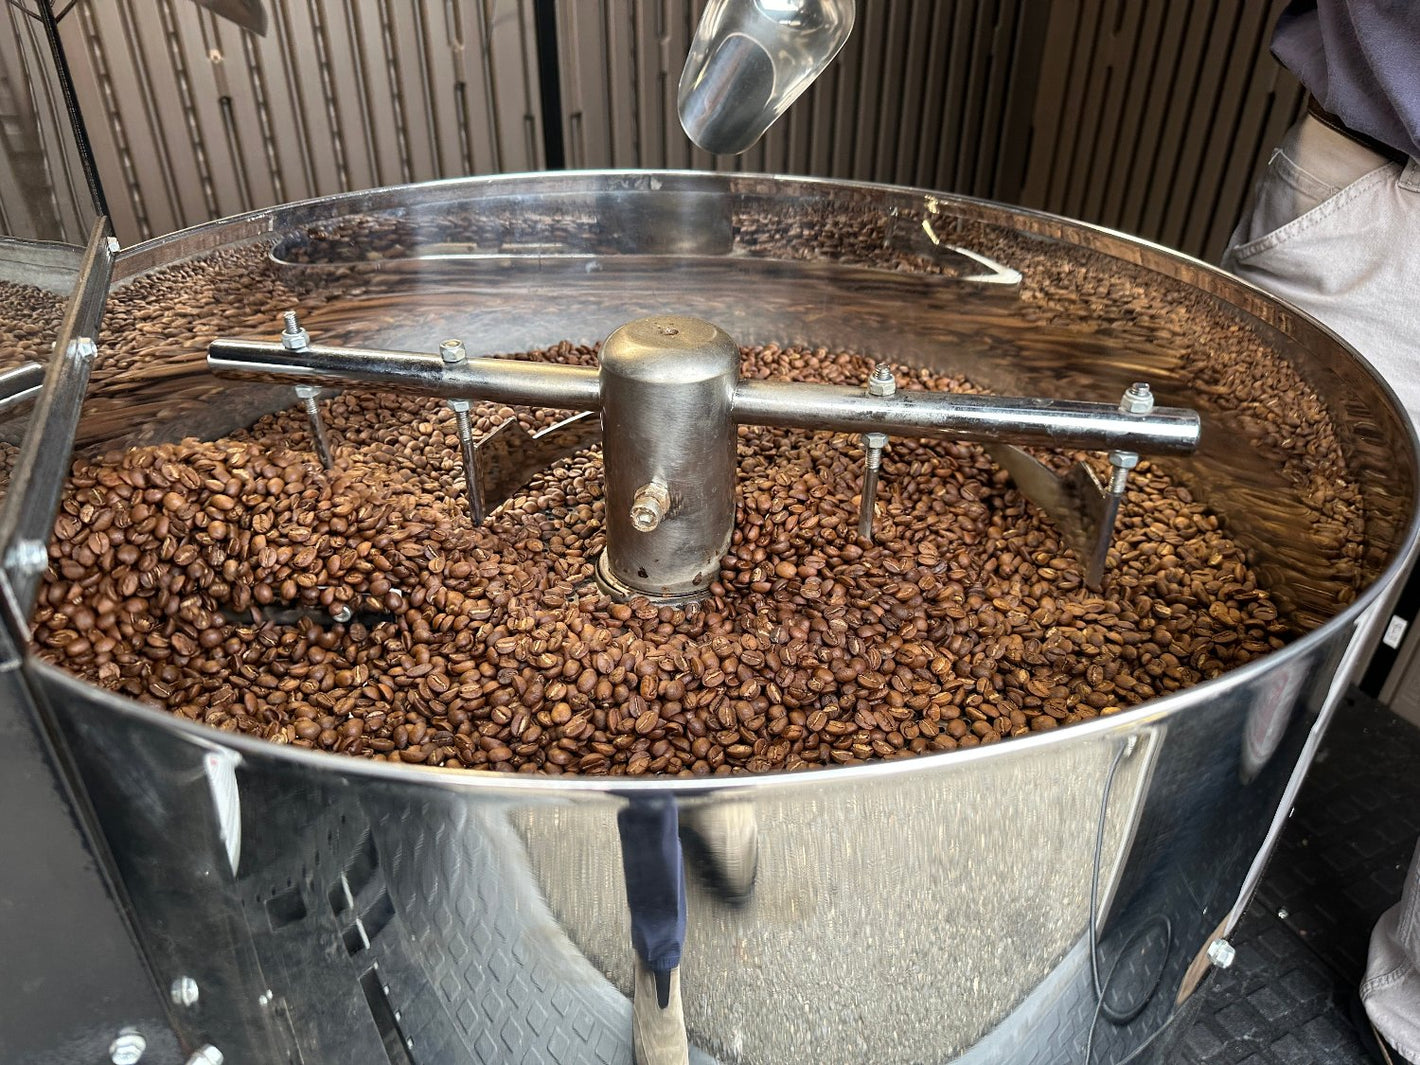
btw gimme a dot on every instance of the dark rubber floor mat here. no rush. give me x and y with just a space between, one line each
1301 948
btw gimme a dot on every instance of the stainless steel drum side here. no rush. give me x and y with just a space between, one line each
1050 899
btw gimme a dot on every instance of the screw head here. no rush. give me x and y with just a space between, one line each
185 991
1138 399
206 1055
453 352
1221 953
459 406
128 1047
1123 460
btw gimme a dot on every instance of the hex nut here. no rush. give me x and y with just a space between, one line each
1138 399
1221 953
206 1055
882 382
128 1047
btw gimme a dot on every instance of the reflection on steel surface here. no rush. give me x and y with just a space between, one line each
479 917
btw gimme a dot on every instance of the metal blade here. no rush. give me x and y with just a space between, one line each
1077 503
248 14
509 457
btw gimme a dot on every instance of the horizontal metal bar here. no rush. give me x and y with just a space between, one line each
535 384
19 387
1048 422
1014 419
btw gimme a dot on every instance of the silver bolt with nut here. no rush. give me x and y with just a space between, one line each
296 340
649 506
454 353
206 1055
1138 399
185 991
128 1047
880 383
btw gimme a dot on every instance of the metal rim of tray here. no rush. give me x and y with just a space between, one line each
159 252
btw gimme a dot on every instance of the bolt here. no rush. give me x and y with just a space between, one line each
340 616
308 391
28 556
206 1055
1138 399
649 506
264 999
1123 460
83 347
128 1048
184 991
293 337
459 406
882 382
873 444
1221 953
453 352
1283 913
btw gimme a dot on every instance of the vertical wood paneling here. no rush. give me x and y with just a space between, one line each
192 118
1149 117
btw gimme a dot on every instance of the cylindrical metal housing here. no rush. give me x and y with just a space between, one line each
667 386
327 905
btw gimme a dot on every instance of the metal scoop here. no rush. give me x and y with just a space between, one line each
750 60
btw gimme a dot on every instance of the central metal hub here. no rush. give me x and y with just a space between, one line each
668 439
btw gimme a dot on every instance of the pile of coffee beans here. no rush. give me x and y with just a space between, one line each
237 583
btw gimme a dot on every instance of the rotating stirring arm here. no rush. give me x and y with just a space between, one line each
669 394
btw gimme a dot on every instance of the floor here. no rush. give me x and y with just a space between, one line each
1301 948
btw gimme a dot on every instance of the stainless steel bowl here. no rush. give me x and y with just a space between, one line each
1054 898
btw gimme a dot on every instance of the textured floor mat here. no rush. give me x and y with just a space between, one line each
1340 864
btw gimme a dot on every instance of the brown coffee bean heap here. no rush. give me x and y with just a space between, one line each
29 318
176 569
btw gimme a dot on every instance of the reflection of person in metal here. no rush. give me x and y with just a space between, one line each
723 839
1335 228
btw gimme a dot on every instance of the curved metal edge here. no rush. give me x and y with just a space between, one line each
1147 255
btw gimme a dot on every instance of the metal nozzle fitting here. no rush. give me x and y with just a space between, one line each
649 506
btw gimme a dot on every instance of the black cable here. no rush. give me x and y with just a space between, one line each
71 105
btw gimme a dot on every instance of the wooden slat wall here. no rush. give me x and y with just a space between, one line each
192 118
1143 115
43 195
1156 118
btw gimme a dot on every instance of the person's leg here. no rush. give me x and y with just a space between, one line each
655 895
1391 988
1332 229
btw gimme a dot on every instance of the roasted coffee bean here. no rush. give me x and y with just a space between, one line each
178 568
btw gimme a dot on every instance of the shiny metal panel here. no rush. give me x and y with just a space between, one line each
1043 900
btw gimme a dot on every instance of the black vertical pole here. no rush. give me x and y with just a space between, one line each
71 104
549 79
